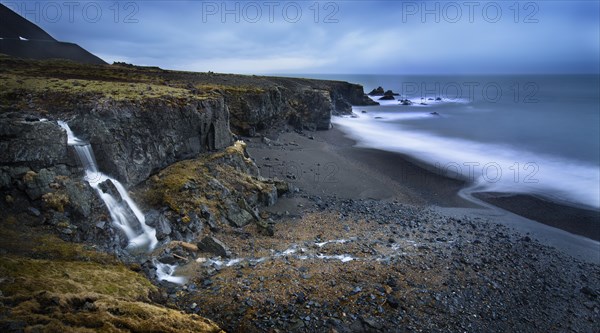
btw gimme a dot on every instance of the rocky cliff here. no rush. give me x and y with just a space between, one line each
140 121
167 136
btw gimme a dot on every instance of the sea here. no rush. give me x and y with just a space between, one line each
521 134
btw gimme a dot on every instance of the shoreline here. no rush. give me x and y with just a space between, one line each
364 173
359 246
576 220
571 219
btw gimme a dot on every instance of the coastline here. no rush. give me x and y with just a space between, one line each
444 191
363 173
574 220
363 248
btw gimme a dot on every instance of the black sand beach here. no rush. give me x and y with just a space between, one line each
330 164
370 242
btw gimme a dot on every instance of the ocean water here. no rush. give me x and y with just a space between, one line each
535 135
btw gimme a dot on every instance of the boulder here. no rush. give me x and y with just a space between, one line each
214 246
238 216
81 198
37 184
108 187
160 222
268 196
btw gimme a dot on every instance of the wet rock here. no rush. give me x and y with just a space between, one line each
109 187
168 259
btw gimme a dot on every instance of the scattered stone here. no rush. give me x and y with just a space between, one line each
392 301
215 246
589 292
356 290
34 211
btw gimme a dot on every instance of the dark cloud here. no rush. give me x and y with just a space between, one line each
333 37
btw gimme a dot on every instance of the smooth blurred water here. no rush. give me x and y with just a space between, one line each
519 134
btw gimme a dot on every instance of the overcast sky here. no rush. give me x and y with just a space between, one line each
332 37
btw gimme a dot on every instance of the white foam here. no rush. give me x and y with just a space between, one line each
165 272
289 251
335 241
233 262
521 171
341 257
416 101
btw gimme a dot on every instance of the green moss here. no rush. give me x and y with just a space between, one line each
49 285
56 200
189 185
233 90
25 276
118 91
80 297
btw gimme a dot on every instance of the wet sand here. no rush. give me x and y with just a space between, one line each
327 163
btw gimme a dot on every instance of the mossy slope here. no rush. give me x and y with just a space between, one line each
48 285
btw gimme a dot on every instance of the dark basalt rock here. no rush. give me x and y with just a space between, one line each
377 92
31 144
214 246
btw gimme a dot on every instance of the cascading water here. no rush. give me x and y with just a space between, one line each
124 212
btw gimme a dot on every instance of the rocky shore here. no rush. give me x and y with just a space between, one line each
371 266
341 263
268 224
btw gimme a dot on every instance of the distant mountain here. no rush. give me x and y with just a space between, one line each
21 38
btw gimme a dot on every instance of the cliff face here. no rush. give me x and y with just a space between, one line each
252 112
147 128
301 103
133 141
140 120
130 141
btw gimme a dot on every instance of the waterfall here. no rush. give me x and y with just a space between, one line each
124 213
